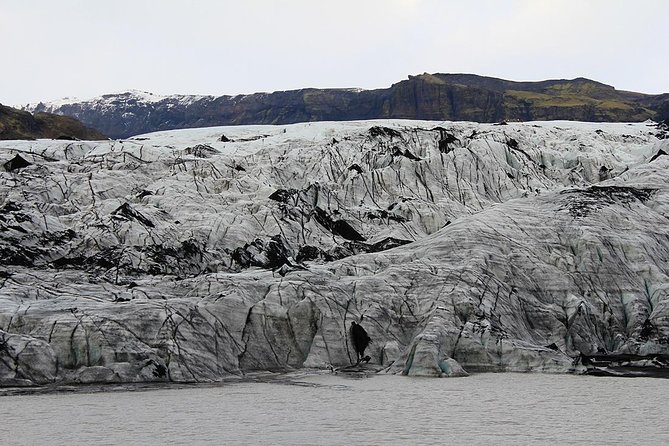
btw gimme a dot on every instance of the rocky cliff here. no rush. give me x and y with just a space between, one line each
18 124
192 255
458 97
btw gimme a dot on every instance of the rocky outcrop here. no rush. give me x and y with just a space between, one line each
459 97
498 248
17 124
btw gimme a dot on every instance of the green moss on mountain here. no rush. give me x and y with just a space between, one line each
17 124
477 98
578 99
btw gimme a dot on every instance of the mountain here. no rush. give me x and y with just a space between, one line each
17 124
195 255
457 97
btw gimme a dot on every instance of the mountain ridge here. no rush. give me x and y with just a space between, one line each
454 97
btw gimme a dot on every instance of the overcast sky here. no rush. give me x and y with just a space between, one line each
57 48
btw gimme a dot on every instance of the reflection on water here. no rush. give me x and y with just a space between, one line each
326 409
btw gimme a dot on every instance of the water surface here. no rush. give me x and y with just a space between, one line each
326 409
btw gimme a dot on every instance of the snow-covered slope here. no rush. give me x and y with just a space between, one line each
108 101
129 112
189 255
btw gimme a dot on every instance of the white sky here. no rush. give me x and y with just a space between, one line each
84 48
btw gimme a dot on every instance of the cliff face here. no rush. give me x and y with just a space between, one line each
17 124
437 97
193 255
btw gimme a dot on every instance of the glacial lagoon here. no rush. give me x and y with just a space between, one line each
315 408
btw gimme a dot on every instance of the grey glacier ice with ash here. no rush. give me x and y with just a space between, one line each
193 255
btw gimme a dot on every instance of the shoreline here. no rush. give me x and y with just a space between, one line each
294 377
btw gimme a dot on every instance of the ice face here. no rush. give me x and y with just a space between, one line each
192 254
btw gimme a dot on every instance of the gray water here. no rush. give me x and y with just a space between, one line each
326 409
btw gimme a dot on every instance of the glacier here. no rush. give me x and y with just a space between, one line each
195 255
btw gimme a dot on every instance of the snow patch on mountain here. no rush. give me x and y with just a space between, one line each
111 100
